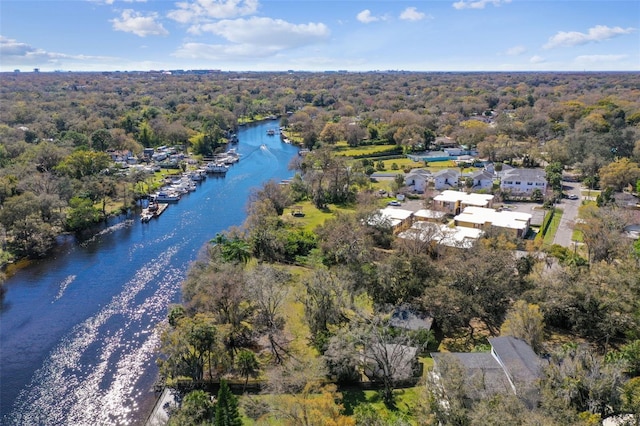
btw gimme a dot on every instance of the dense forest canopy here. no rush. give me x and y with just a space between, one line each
260 290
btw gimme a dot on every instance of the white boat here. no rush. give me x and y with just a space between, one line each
167 197
197 176
218 168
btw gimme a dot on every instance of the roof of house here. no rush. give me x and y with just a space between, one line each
393 215
406 318
511 366
458 236
469 199
428 214
421 173
396 213
447 173
481 174
529 175
521 364
400 357
484 375
503 219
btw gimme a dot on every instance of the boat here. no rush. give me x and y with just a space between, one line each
217 168
166 197
271 132
146 216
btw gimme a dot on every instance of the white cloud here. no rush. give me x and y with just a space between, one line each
138 24
267 32
16 54
536 59
478 4
253 37
595 34
365 17
515 50
600 58
412 14
196 11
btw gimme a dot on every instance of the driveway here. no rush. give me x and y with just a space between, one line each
569 214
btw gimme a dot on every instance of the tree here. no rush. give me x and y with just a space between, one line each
620 173
273 192
577 379
525 321
189 347
315 406
79 164
325 299
82 214
342 357
388 356
196 409
101 140
219 289
247 365
227 413
267 288
236 250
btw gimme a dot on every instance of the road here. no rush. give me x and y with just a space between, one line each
569 215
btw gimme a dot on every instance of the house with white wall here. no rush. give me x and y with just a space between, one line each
417 179
523 181
446 179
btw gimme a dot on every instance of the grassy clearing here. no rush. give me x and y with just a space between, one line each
553 228
577 236
314 216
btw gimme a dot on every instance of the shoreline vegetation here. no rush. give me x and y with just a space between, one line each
302 297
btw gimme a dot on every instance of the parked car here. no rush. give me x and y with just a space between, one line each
573 197
394 203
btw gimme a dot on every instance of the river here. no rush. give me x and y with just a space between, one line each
78 329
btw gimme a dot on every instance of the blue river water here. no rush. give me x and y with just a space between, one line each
78 330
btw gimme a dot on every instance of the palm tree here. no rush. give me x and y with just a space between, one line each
236 250
247 365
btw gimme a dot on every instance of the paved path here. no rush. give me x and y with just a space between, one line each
159 415
569 215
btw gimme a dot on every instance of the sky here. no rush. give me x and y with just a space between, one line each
320 35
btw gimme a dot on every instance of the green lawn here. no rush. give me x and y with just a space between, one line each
312 215
553 227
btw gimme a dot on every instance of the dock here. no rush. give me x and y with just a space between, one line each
154 210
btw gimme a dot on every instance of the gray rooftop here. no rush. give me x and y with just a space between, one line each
407 319
520 362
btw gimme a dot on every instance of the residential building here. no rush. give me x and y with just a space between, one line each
443 235
517 223
446 179
523 181
429 215
417 179
399 219
482 180
510 367
453 202
407 318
